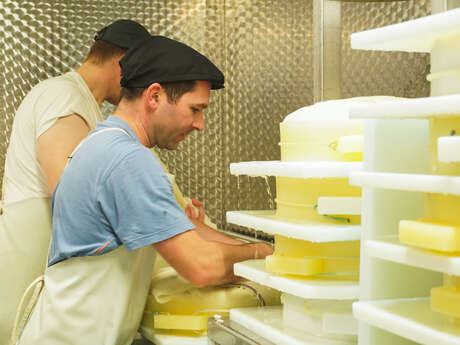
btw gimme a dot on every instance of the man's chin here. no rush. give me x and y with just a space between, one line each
172 146
114 101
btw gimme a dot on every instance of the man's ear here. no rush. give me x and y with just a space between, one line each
152 95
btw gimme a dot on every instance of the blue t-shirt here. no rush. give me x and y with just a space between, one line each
113 192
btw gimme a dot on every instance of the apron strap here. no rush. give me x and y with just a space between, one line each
2 200
93 134
25 308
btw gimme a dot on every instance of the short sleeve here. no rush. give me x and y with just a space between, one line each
57 100
138 202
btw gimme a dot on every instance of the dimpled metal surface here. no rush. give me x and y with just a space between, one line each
367 73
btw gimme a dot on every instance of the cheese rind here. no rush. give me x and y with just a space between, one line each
301 248
440 237
176 321
311 265
313 133
295 266
305 258
446 300
298 198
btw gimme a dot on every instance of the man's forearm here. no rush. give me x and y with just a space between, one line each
208 262
210 234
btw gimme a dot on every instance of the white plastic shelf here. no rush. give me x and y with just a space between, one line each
392 250
322 289
407 182
308 231
167 339
417 35
413 108
295 169
449 149
267 322
409 318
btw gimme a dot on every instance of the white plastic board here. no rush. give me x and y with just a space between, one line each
410 108
449 149
409 318
339 205
413 36
295 169
308 231
165 339
392 250
407 182
322 289
268 323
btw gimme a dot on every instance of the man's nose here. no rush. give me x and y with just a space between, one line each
198 124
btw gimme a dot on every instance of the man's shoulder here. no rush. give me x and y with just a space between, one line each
133 155
49 95
136 151
64 82
62 86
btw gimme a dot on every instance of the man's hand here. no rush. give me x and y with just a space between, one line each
195 212
262 250
207 262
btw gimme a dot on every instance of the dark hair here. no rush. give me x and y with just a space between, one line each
102 51
131 93
174 90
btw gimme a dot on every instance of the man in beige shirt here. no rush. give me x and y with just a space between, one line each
52 119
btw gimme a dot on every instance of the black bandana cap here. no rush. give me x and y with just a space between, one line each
160 60
123 33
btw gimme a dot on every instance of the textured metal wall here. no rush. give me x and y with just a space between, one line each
269 69
382 73
256 43
264 48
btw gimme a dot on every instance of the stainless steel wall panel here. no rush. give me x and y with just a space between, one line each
327 46
269 69
382 73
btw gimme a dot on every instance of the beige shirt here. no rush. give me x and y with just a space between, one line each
40 109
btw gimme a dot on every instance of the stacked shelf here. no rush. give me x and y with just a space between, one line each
254 270
411 318
268 323
399 303
396 278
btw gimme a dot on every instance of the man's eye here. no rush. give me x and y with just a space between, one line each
195 110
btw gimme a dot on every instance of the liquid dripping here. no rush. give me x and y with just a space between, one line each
238 192
271 202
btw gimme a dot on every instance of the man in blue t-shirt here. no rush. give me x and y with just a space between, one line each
114 207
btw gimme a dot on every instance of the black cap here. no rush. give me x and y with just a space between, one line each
161 60
123 33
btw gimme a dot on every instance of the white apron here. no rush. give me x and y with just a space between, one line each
88 300
25 233
92 300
